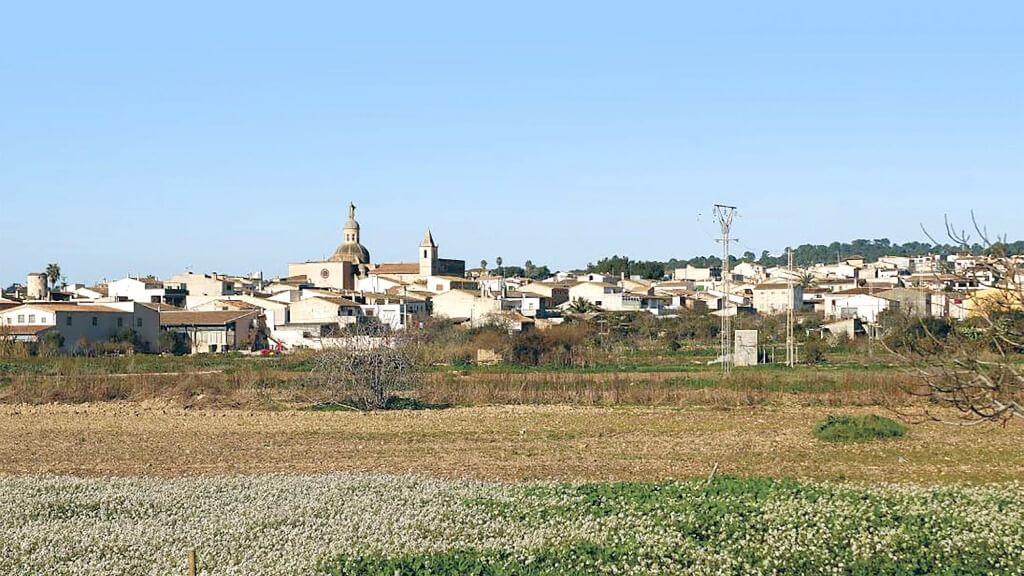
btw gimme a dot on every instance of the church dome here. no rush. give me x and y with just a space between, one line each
351 252
350 249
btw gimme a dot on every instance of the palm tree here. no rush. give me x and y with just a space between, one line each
805 279
581 306
53 274
498 262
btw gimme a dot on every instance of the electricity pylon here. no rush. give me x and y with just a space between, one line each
724 214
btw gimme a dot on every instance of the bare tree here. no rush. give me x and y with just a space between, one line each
368 364
970 365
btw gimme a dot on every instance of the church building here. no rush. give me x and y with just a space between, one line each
350 260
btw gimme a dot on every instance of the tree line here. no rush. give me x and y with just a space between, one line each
803 255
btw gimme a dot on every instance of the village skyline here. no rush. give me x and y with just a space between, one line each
741 251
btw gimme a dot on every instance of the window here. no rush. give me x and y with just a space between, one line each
120 322
138 322
68 320
42 319
31 318
21 318
95 320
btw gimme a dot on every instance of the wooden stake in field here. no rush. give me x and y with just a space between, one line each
192 563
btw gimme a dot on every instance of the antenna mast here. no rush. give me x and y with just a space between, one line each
724 214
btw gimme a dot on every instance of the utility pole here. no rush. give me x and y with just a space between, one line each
724 214
790 341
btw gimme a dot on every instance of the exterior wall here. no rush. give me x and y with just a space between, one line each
397 314
277 313
749 270
134 290
202 284
912 302
863 306
458 304
595 293
211 339
532 305
339 275
84 293
204 338
274 313
27 315
448 267
145 323
320 311
92 326
692 273
835 271
444 284
778 300
556 295
374 283
123 315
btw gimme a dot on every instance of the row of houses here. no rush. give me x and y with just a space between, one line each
320 299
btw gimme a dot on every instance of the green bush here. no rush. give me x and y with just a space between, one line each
858 428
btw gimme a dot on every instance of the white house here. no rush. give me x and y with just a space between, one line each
396 311
902 263
601 294
377 283
556 294
439 284
77 324
275 311
202 284
83 292
468 305
777 297
750 271
835 271
856 303
326 313
142 289
694 273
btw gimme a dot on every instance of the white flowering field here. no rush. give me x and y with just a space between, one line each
373 524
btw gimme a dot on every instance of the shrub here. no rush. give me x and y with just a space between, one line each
369 367
527 348
814 351
848 428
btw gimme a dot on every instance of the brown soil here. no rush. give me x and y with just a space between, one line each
504 443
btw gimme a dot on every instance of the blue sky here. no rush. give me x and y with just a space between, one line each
142 138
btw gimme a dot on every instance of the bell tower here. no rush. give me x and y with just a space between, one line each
428 255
